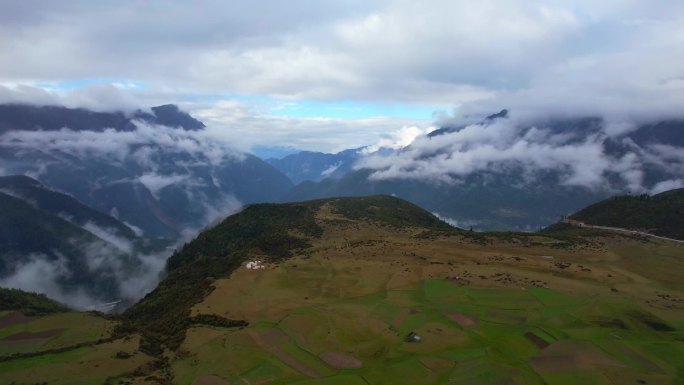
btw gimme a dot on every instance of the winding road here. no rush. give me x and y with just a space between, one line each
619 230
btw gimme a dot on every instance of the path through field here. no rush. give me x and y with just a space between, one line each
619 230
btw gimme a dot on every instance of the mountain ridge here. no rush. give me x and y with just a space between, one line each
29 117
660 214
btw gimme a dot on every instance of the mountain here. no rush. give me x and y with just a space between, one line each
26 117
315 166
42 250
156 171
53 244
64 206
507 175
661 214
375 290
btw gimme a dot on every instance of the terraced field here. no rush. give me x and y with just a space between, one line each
518 311
65 348
371 293
469 335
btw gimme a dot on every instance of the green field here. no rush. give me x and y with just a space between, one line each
340 295
469 335
64 348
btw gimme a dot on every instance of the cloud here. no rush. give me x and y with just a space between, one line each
244 127
398 139
667 185
126 277
610 56
328 171
156 182
111 236
513 145
41 275
140 145
103 97
620 60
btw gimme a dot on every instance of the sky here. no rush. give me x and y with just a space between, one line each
328 75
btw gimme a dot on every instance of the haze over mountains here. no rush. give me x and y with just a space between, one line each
153 170
506 173
138 182
112 194
53 244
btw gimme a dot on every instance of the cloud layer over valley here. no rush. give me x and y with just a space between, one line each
581 152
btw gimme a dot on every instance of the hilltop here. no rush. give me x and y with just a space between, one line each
271 232
661 214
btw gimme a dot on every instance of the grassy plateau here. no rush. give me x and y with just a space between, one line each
345 281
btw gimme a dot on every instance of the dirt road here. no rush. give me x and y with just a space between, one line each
619 230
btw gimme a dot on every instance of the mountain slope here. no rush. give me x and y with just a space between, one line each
340 285
661 214
59 204
157 171
39 250
376 291
274 232
315 166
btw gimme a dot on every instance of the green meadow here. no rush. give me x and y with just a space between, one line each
468 336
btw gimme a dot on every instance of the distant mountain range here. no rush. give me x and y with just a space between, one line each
153 170
316 166
522 194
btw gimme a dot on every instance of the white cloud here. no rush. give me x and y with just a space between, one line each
621 60
328 171
235 122
41 275
156 182
118 145
399 139
110 236
667 185
505 145
439 51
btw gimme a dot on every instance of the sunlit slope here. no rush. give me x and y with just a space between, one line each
273 232
345 282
